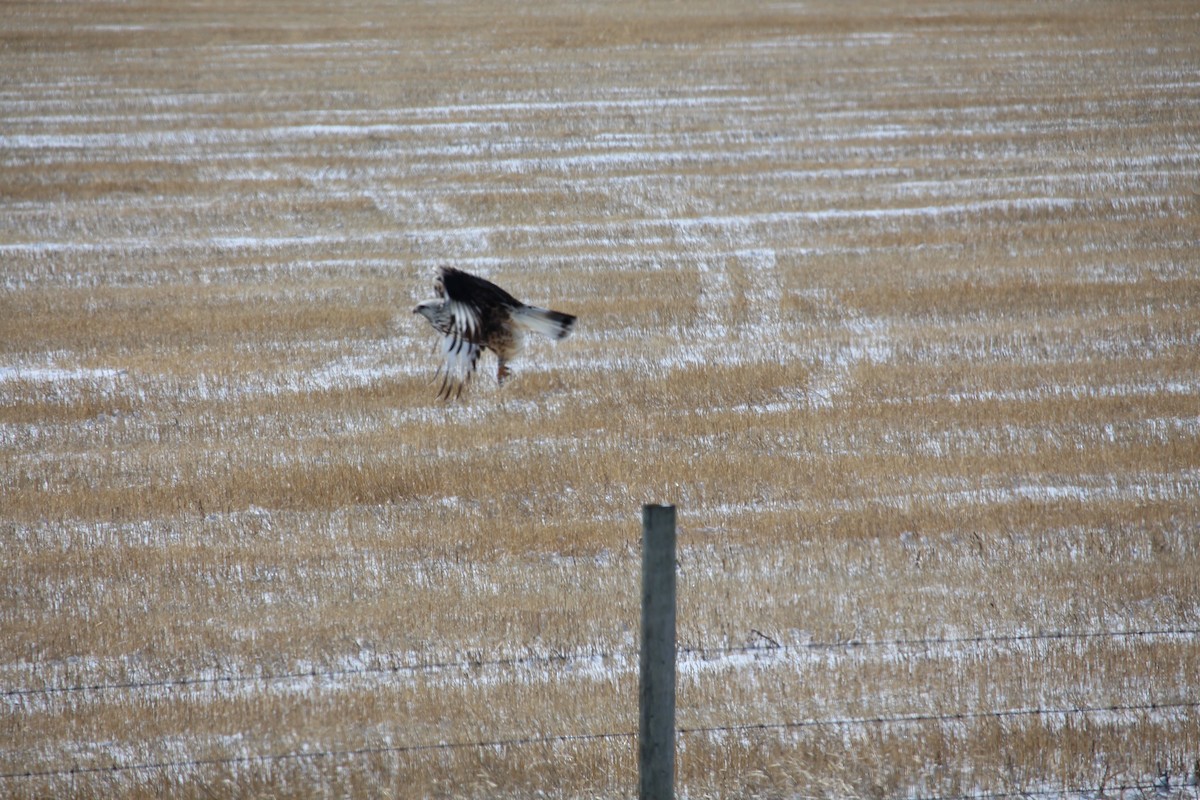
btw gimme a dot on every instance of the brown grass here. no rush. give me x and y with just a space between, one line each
898 304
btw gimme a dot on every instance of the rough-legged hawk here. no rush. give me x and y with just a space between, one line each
472 314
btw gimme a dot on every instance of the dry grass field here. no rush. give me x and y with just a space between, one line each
898 302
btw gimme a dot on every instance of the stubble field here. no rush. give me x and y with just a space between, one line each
898 303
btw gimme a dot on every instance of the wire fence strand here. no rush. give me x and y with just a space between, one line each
328 674
522 741
770 647
963 716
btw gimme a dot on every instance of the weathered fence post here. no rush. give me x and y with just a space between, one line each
656 693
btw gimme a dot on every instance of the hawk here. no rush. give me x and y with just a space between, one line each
473 314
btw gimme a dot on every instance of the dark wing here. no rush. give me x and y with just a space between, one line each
472 300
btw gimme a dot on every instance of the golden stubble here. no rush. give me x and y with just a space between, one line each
907 332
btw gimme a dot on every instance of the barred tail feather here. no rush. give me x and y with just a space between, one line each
551 324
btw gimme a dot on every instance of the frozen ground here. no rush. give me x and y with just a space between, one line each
900 307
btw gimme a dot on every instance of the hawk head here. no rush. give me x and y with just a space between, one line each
436 312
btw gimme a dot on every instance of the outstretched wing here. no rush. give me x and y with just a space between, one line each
460 357
473 300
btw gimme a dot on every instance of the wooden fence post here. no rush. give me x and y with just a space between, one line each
656 692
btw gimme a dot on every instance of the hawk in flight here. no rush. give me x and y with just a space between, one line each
472 315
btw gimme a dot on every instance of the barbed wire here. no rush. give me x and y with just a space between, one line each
899 719
961 716
314 673
938 641
770 647
1093 791
272 758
